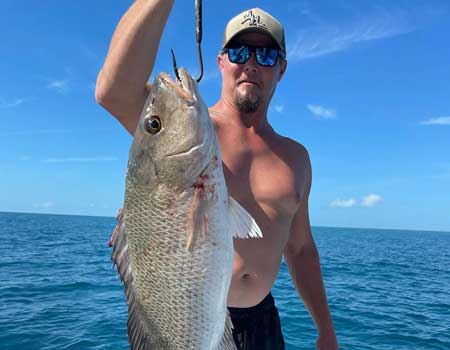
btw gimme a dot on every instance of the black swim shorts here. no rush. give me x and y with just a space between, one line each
257 327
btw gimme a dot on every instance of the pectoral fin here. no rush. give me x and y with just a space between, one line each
243 225
197 226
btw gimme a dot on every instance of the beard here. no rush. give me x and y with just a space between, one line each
248 103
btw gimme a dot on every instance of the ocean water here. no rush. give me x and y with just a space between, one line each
387 289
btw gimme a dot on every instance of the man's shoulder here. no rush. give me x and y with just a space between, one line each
296 157
293 149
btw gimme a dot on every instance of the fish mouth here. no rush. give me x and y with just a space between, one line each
183 88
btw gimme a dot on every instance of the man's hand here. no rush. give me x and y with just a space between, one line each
327 341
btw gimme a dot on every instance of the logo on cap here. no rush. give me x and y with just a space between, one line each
253 20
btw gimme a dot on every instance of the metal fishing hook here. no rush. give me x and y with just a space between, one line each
174 62
198 33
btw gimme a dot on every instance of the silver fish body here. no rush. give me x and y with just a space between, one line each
174 248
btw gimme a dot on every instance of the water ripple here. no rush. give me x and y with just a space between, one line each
386 289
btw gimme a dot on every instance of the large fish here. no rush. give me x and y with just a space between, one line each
173 243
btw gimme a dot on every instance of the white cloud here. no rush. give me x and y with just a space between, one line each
79 160
279 108
26 132
343 203
322 112
367 201
34 132
61 86
322 40
44 205
370 200
11 104
437 121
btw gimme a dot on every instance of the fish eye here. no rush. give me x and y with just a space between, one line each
153 124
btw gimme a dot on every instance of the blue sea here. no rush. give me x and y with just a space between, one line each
387 289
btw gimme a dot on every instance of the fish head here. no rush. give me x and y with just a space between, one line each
175 139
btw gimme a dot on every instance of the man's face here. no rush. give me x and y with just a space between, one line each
249 84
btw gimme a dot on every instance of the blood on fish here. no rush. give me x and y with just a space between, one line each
199 186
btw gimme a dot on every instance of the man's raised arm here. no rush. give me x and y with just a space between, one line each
122 82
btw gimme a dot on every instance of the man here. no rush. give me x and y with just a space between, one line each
270 175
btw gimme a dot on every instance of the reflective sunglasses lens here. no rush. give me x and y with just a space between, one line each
266 56
238 54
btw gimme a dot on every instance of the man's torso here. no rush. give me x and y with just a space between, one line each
266 175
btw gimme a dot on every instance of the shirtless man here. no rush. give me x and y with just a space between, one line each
270 175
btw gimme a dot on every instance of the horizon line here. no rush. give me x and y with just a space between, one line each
319 226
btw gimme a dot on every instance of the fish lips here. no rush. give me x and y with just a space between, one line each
183 88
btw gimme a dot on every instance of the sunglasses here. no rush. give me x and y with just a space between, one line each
265 56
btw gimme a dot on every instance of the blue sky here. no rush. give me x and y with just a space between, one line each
367 91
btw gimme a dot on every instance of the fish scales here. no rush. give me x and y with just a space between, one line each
173 243
175 282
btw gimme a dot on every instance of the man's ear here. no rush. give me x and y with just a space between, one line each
220 61
282 69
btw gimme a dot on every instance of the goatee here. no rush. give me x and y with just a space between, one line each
248 103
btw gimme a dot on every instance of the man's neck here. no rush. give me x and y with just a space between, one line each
254 122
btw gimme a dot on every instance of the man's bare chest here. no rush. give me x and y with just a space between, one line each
264 181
